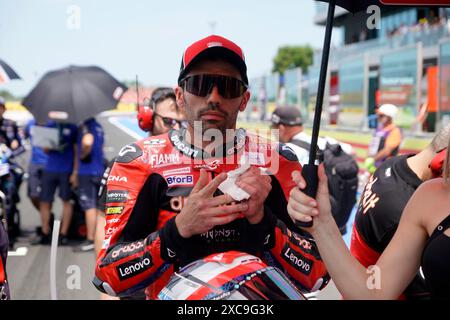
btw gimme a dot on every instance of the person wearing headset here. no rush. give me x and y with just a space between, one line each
160 113
157 115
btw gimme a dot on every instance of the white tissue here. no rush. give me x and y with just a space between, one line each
229 185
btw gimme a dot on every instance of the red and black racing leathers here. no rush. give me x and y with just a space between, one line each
149 184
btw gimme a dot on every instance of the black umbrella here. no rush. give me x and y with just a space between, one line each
74 94
309 170
6 72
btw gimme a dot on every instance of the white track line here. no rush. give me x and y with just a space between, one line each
53 250
115 121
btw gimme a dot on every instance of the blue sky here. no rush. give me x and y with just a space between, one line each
144 37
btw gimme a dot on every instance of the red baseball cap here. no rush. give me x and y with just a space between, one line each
213 46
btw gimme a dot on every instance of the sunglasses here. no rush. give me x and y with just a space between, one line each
170 122
202 84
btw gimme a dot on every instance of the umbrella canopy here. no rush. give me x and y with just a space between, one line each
74 94
6 72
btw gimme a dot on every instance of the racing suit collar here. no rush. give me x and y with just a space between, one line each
177 138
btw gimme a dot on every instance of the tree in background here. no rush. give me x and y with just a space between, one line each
289 57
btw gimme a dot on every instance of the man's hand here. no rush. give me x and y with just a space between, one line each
303 208
258 186
74 179
203 212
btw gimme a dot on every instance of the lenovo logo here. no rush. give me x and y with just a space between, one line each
134 267
296 260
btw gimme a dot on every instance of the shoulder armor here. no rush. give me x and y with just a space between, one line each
128 153
287 152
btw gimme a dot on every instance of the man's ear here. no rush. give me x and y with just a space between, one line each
179 94
245 100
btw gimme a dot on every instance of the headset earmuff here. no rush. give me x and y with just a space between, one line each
436 165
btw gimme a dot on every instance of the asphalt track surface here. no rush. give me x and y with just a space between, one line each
28 266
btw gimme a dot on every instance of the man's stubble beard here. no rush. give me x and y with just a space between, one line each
202 127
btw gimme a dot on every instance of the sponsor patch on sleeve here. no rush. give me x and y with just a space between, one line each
297 260
180 180
116 196
127 250
134 267
114 210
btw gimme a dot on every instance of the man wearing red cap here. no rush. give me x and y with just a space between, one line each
183 195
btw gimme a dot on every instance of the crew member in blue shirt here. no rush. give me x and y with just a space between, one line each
90 172
36 167
60 172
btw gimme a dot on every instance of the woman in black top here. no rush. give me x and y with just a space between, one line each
422 239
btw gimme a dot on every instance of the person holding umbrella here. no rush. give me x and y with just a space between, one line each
60 172
384 199
422 239
72 94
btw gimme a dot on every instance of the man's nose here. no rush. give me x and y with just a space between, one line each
214 96
176 126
